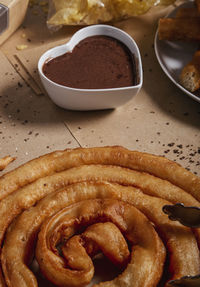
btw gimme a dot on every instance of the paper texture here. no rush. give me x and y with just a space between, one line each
30 125
27 63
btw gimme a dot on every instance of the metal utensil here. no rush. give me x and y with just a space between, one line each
188 216
3 18
186 281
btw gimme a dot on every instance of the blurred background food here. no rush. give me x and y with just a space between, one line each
86 12
185 27
12 13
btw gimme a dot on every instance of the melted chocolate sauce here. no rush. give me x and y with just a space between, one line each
97 62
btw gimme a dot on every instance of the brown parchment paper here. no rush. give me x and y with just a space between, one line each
27 64
160 119
30 125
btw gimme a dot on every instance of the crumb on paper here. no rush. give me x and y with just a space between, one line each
21 47
23 35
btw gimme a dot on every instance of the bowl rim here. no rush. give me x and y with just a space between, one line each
139 61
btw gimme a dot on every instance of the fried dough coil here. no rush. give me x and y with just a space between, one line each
62 160
147 251
30 194
24 230
140 179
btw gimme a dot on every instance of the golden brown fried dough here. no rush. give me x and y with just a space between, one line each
24 230
190 75
187 13
184 27
146 247
100 236
175 29
62 160
5 161
142 180
30 194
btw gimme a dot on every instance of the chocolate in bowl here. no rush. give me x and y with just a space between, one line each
84 99
97 62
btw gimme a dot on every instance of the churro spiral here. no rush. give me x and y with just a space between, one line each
147 252
51 201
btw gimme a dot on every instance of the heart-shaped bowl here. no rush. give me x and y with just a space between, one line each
91 99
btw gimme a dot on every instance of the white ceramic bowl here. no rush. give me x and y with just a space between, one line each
91 99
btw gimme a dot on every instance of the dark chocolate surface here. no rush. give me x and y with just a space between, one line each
97 62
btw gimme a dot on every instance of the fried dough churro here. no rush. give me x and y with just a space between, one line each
185 27
176 29
176 236
62 160
187 13
58 185
146 247
5 161
190 75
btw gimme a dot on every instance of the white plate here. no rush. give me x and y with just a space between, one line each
173 56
